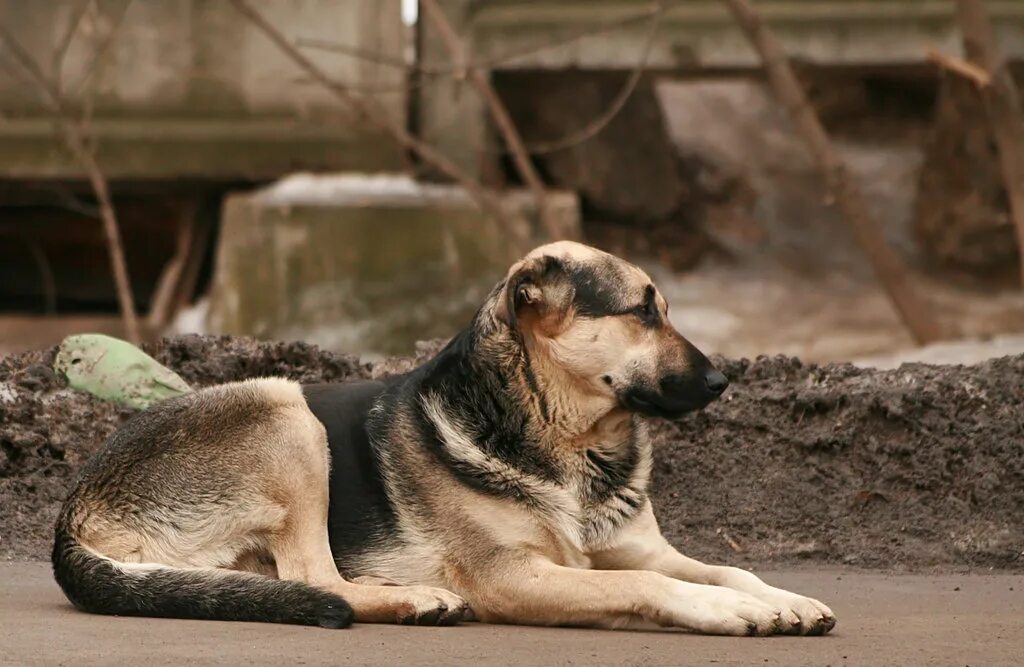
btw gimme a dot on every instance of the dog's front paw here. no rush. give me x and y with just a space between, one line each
723 611
802 615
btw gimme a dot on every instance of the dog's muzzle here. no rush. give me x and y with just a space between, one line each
677 394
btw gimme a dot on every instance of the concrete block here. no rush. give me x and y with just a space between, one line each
364 264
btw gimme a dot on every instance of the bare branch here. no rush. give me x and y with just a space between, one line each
447 69
77 143
368 55
101 50
499 113
464 69
49 285
594 127
164 302
889 268
1002 105
57 61
372 113
599 123
968 70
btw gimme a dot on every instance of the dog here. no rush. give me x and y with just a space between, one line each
504 481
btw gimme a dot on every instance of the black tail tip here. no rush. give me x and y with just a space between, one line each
335 615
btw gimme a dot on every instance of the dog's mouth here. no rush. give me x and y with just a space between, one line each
657 405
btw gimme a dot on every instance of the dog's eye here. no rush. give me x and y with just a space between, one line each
648 310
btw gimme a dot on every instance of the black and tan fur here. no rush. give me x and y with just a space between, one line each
508 475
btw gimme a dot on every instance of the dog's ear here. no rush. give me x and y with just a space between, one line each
537 292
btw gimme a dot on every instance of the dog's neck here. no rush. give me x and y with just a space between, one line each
510 393
577 416
484 408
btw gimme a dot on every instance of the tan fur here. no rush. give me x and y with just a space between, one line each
540 564
280 511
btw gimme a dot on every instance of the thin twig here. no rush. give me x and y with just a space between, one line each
499 113
77 143
889 268
367 88
57 60
165 297
590 130
966 69
67 199
88 95
447 69
594 127
601 121
733 544
101 50
370 56
370 112
49 285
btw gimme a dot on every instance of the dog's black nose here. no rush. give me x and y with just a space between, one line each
715 381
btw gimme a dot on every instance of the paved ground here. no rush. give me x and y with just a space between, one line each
883 619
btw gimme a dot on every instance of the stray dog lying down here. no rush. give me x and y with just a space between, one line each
503 480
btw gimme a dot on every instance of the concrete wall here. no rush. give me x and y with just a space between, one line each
701 33
364 264
694 35
187 88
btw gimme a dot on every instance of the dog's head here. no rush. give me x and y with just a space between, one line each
598 322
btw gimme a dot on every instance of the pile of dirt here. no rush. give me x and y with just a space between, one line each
912 468
908 468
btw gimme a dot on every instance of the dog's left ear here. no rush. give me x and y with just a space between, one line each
537 292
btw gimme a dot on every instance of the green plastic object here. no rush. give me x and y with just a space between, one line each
116 370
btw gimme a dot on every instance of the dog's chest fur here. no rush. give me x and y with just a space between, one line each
583 495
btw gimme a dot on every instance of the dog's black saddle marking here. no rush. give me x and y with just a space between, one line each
360 516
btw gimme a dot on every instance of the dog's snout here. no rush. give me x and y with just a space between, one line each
715 381
675 384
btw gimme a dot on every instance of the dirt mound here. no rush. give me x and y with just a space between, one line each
917 467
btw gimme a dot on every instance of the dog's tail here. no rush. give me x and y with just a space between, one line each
99 585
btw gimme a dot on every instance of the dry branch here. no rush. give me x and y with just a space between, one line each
370 112
165 297
100 50
57 61
49 284
978 76
76 139
463 68
842 186
1002 105
594 127
499 113
447 69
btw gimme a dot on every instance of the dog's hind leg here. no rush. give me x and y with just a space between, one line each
302 551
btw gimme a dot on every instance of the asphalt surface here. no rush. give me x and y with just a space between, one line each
883 619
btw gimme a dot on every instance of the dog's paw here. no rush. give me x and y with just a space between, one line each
723 611
802 615
423 605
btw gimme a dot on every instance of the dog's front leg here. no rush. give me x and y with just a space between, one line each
641 545
532 590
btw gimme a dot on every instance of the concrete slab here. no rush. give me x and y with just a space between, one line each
884 619
365 264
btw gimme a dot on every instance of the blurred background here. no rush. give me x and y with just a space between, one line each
359 173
